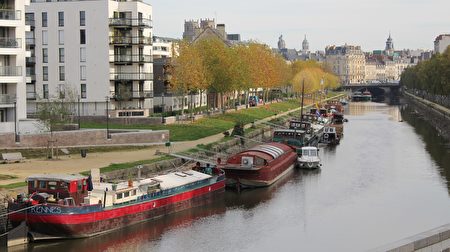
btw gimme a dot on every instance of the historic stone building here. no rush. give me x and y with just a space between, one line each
347 62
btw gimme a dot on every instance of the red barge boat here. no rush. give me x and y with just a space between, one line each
71 206
259 166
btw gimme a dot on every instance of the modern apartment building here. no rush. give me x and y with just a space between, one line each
347 62
441 43
12 64
98 51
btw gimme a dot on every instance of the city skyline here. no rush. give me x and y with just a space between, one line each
412 24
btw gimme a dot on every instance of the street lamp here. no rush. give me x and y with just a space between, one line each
79 97
108 136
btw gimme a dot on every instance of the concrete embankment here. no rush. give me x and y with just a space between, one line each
437 115
437 239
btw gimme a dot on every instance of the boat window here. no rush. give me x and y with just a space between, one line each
126 194
133 192
63 185
79 185
259 161
31 184
119 195
313 153
42 184
52 185
305 152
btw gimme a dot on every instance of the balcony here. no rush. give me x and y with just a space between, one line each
131 76
30 60
30 41
31 73
7 99
9 15
10 71
127 40
10 43
130 22
31 96
132 95
29 22
127 58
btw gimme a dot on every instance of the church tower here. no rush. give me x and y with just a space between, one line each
389 50
281 43
305 45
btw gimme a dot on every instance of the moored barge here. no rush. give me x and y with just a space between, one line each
67 206
259 166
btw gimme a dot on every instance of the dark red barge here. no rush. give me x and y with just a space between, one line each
64 206
259 166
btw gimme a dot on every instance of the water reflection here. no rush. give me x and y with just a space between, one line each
436 146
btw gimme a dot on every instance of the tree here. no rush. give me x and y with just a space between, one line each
55 112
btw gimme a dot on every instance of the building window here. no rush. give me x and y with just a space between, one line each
82 36
62 74
83 54
61 55
60 19
61 37
62 91
44 37
83 72
44 19
83 91
45 73
82 18
45 91
44 55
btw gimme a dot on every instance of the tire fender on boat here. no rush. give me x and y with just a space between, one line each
325 135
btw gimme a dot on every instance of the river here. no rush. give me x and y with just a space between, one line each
387 180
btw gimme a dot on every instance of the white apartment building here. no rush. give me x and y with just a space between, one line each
441 43
12 64
99 50
347 62
164 47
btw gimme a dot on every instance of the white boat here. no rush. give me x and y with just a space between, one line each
309 158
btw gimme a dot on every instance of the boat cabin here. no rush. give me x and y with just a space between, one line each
330 136
64 189
294 138
310 151
300 125
258 156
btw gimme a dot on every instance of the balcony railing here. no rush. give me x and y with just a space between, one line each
131 76
10 71
10 43
9 14
30 41
29 22
31 95
7 99
142 22
140 40
134 58
132 95
31 73
31 60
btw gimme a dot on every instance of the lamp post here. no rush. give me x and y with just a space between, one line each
108 136
16 136
79 97
162 107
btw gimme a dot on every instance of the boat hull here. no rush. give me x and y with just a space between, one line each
79 225
262 177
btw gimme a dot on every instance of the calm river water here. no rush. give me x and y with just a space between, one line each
387 180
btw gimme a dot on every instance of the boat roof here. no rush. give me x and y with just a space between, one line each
289 130
166 181
309 148
272 150
56 177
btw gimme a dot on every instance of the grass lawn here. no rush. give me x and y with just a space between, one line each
13 185
208 126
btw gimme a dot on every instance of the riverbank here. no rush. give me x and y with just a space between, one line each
437 115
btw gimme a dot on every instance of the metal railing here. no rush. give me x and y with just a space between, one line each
126 58
130 22
10 14
131 76
30 41
31 96
10 43
7 99
31 73
132 95
31 60
29 22
10 70
139 40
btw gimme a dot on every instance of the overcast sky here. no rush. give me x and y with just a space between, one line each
413 24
